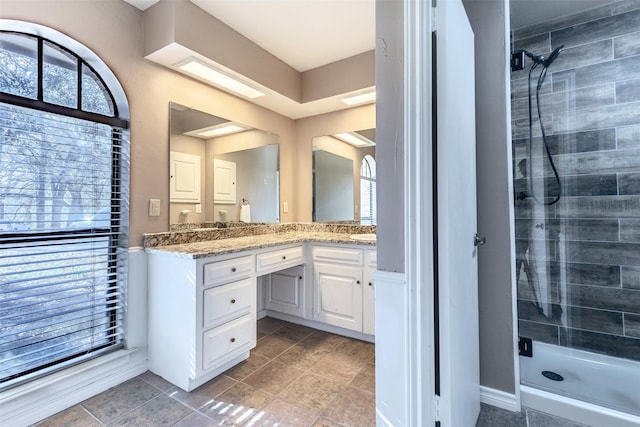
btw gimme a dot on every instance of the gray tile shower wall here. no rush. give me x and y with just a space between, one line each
581 289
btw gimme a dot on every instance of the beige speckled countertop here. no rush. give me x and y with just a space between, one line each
236 244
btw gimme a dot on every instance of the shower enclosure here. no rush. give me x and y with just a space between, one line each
578 257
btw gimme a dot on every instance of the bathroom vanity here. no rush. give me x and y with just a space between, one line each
203 304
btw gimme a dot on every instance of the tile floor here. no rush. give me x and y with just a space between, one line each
296 376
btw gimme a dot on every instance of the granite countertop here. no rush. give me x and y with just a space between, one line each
208 248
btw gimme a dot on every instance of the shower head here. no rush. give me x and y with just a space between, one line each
545 62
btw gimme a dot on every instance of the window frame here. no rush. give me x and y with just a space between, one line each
117 231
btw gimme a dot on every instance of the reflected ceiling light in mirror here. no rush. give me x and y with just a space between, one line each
197 69
360 99
354 138
217 130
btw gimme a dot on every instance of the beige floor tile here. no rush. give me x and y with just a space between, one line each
360 350
76 416
203 394
353 408
293 332
326 422
338 366
281 413
312 392
248 367
366 379
196 419
269 325
273 378
321 339
121 399
271 346
161 411
302 357
156 381
236 405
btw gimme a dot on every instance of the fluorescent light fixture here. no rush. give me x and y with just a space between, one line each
360 99
208 73
217 130
354 139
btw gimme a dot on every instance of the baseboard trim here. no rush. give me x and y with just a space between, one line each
499 399
28 404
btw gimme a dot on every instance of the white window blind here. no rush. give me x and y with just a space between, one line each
63 240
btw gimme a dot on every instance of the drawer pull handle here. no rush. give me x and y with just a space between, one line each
233 269
233 340
358 282
300 277
370 284
284 257
233 301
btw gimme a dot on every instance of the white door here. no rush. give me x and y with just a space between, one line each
457 279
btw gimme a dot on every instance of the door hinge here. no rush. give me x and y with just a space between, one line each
436 411
525 347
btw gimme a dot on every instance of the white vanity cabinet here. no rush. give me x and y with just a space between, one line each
343 287
202 315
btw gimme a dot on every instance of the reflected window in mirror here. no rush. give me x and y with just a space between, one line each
368 190
339 192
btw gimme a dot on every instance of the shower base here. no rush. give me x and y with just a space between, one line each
589 388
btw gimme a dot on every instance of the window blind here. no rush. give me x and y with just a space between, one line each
63 240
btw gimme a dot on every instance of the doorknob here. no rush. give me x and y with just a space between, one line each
479 240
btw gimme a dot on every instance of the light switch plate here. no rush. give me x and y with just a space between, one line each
198 208
154 207
285 207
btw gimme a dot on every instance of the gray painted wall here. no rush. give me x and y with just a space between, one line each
390 135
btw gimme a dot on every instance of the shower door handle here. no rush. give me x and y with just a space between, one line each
479 240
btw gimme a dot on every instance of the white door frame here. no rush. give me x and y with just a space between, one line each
418 201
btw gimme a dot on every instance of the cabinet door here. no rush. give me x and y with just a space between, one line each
368 304
184 178
285 291
224 182
338 295
368 293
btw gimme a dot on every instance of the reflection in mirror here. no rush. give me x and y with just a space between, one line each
221 170
344 177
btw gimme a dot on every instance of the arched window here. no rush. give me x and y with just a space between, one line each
368 190
64 178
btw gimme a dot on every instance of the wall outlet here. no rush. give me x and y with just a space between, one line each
198 208
154 207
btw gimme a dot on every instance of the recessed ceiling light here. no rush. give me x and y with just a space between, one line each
360 99
354 139
206 72
217 130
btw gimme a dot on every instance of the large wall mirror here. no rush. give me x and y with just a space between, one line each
221 170
344 177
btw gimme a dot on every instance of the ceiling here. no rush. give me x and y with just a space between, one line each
305 34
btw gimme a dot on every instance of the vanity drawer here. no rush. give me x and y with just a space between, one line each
349 256
224 303
268 262
230 270
228 341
